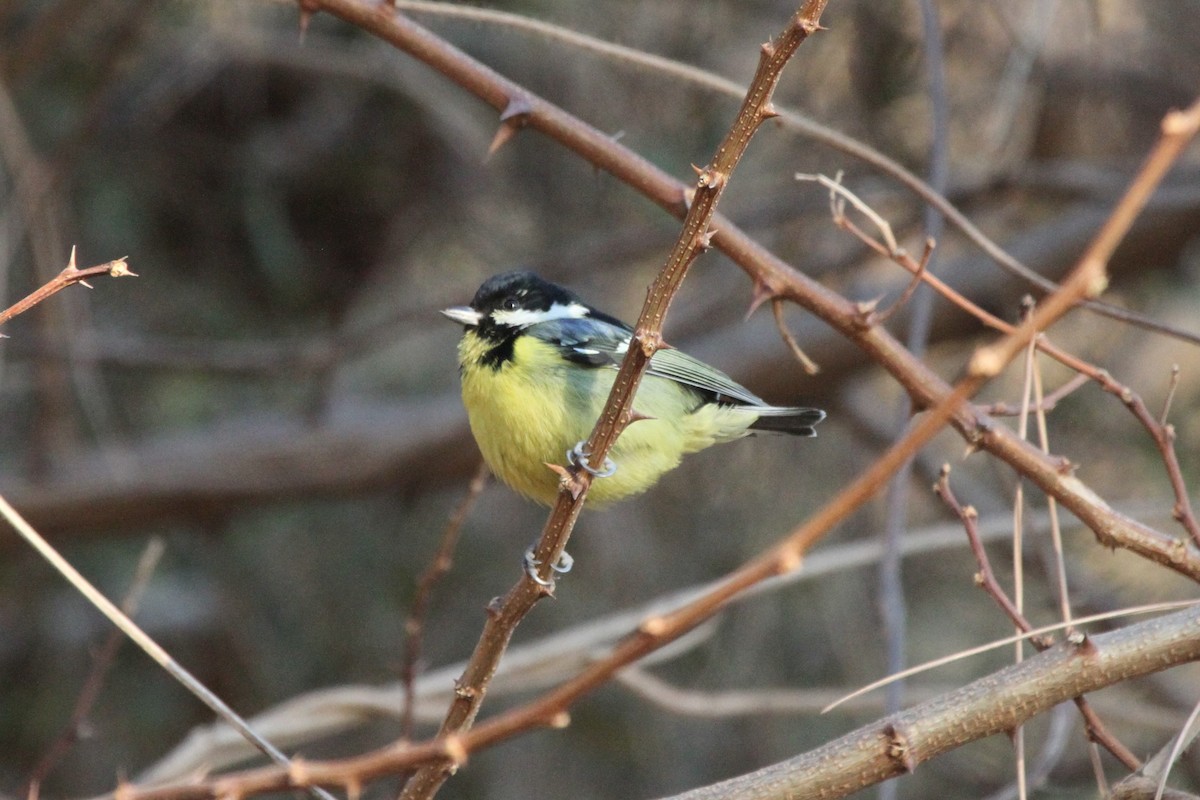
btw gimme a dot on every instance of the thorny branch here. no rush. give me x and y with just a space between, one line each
1087 279
986 579
928 391
70 275
414 626
1162 432
694 238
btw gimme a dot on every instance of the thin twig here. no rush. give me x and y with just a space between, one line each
1046 404
694 238
809 366
102 662
1172 385
70 275
1096 730
414 626
143 640
881 317
1186 735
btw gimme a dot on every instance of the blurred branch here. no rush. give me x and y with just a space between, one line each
256 459
102 662
995 704
414 626
139 637
533 666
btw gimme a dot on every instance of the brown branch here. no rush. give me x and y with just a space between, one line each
881 317
995 704
694 238
1164 438
1049 402
70 275
102 662
1052 475
924 387
414 626
1162 433
1097 731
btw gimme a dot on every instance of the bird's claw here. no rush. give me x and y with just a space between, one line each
562 566
579 455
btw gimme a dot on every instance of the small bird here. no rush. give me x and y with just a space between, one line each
537 364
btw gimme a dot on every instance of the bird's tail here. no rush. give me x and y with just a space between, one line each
794 421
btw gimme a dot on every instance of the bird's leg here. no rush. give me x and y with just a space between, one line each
562 566
578 455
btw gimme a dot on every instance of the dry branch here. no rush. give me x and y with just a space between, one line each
1055 476
694 239
995 704
69 276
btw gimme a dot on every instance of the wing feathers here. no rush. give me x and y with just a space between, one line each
598 342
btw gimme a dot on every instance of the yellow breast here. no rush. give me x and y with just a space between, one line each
526 414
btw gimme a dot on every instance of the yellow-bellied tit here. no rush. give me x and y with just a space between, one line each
537 364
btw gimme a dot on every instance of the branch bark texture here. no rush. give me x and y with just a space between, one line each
995 704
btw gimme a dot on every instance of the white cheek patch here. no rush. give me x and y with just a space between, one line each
524 317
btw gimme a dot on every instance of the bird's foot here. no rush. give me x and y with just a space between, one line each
562 566
579 455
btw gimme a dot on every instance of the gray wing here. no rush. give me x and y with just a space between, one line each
598 342
679 366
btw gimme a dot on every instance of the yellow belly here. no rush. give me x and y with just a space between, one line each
520 427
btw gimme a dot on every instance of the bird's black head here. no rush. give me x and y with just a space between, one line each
508 303
520 290
511 301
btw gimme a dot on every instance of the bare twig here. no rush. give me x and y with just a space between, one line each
1172 385
70 275
810 367
881 317
102 662
414 626
1047 403
142 640
985 578
694 238
1186 736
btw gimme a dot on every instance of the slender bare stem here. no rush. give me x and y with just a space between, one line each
70 275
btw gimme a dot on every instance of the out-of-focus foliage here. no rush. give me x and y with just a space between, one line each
276 395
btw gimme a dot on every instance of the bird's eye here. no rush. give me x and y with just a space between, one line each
510 304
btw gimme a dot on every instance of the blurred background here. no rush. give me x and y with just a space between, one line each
275 397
